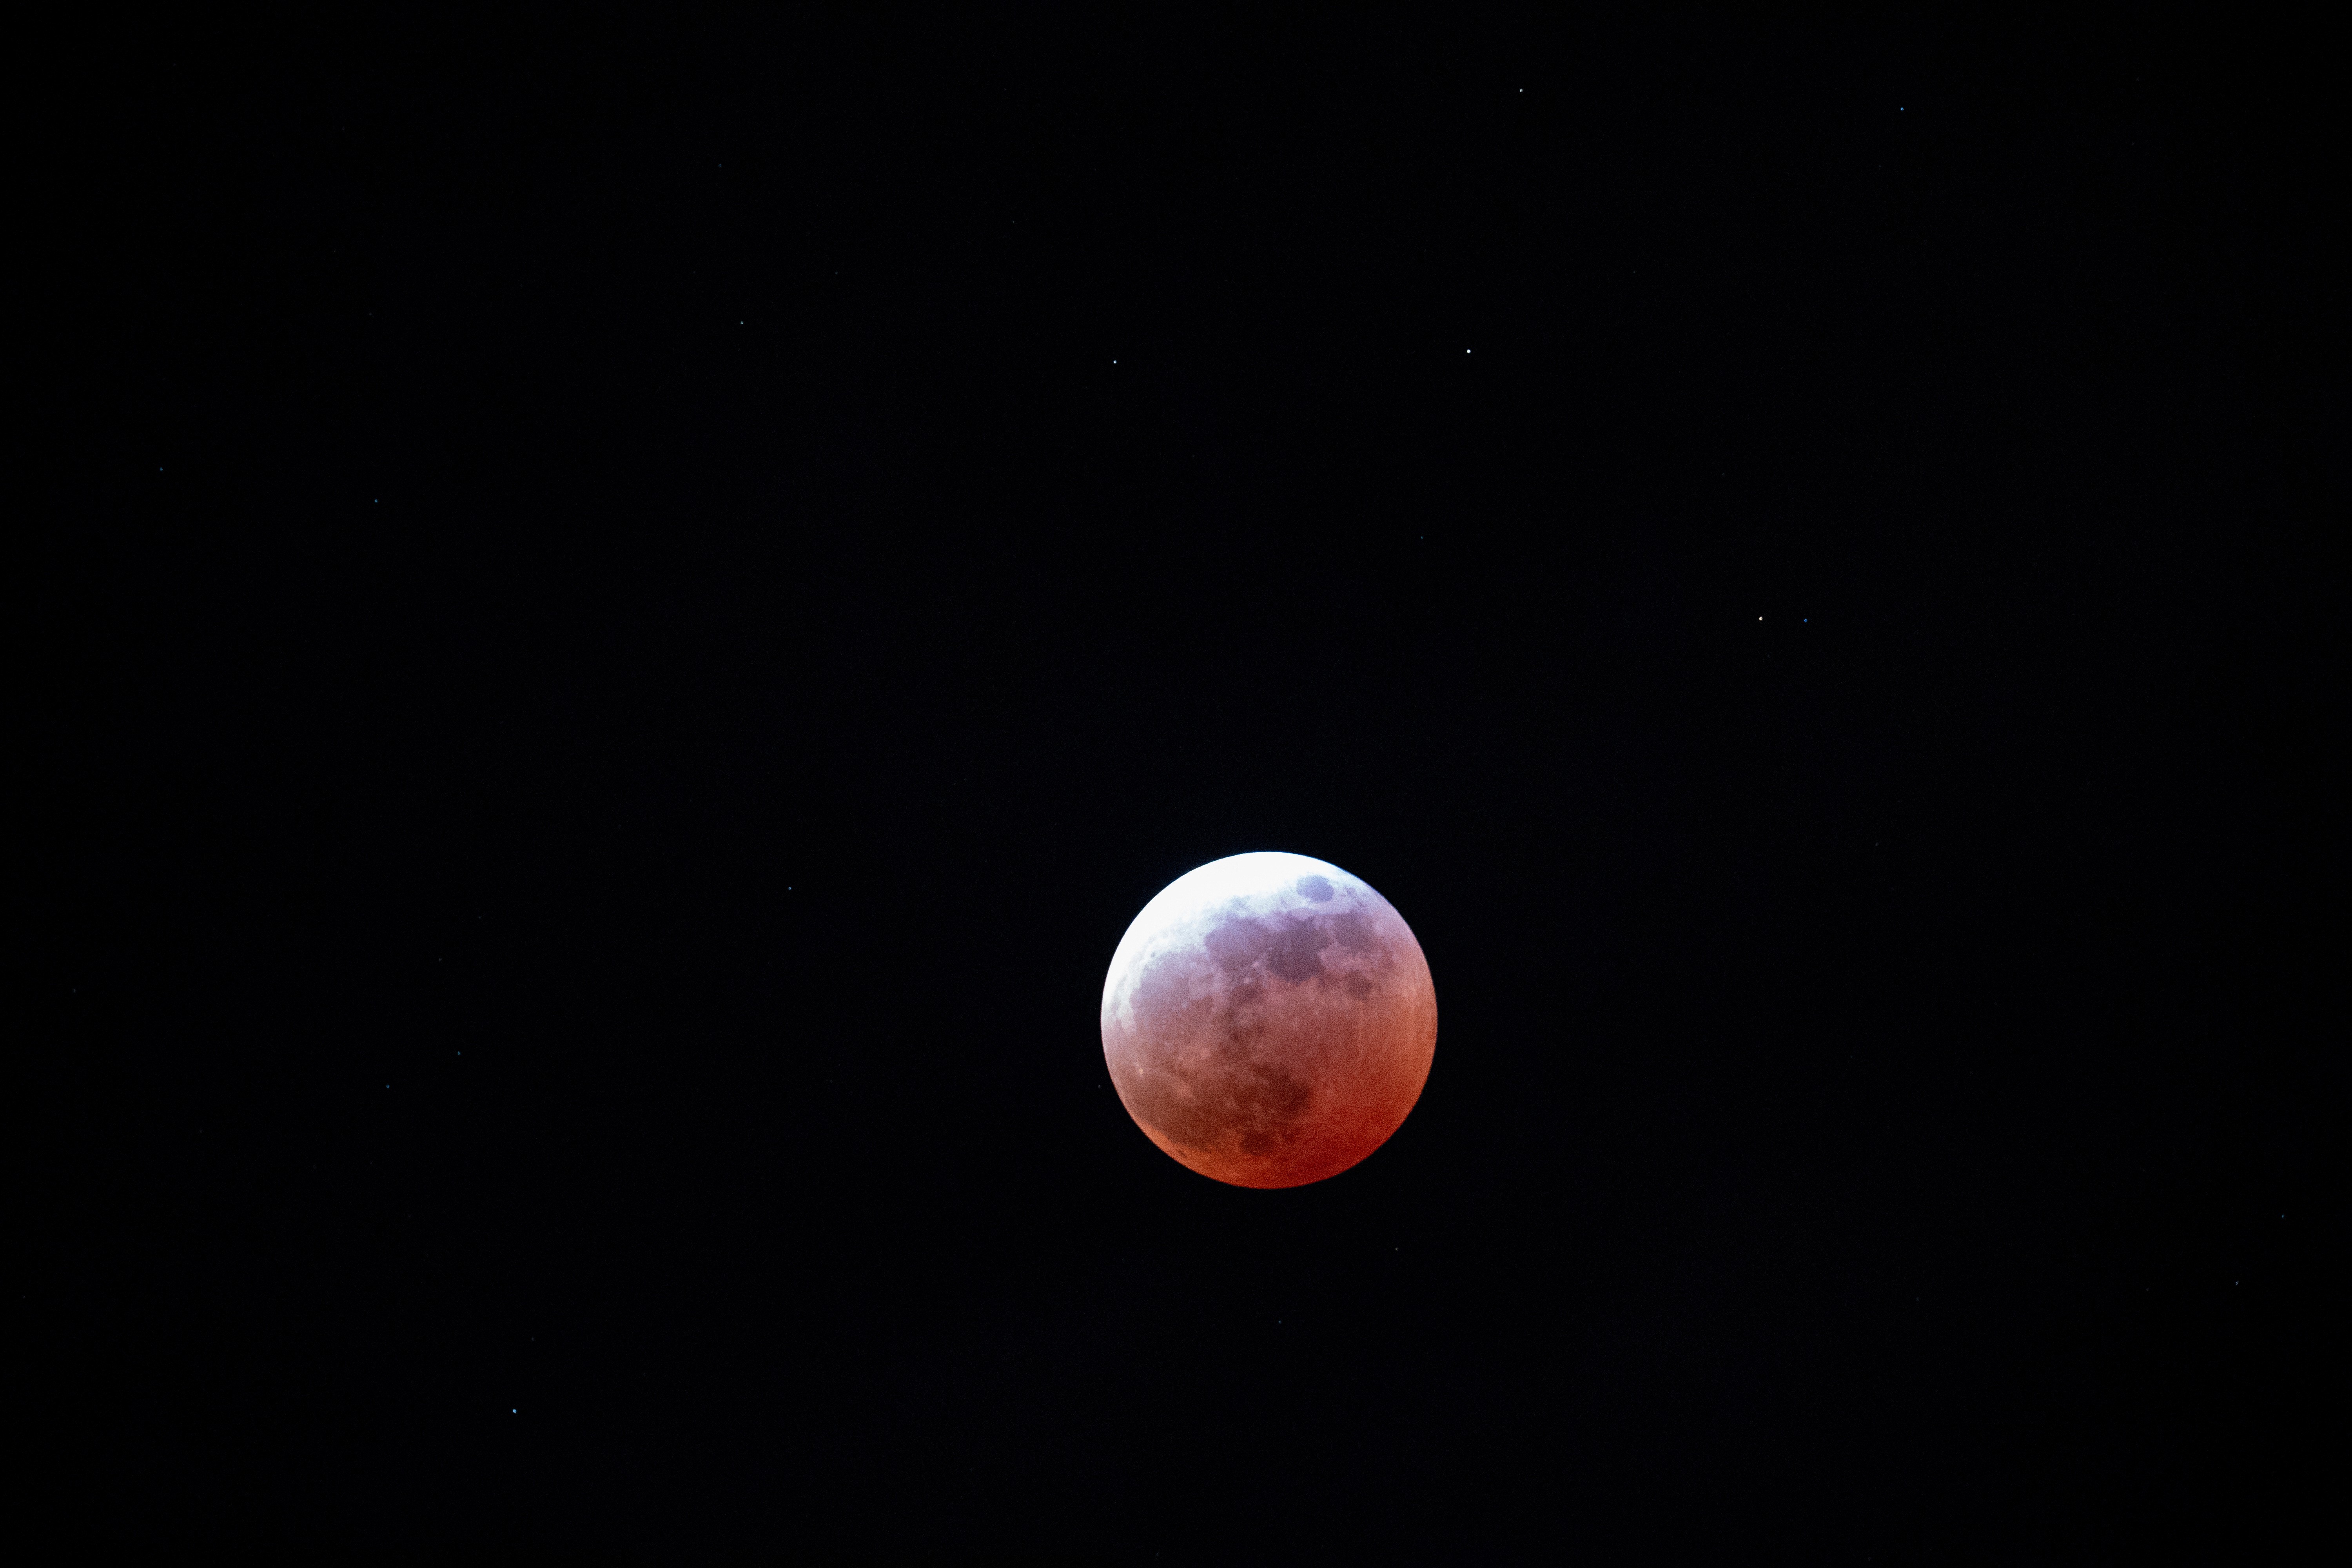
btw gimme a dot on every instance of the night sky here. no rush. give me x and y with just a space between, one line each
629 611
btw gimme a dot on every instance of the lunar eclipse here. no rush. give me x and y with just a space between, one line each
1268 1020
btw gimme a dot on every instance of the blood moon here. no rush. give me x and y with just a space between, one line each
1268 1020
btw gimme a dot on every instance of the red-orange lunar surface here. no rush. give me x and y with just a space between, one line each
1268 1020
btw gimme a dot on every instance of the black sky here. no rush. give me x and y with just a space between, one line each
632 609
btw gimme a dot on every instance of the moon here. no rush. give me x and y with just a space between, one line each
1268 1020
